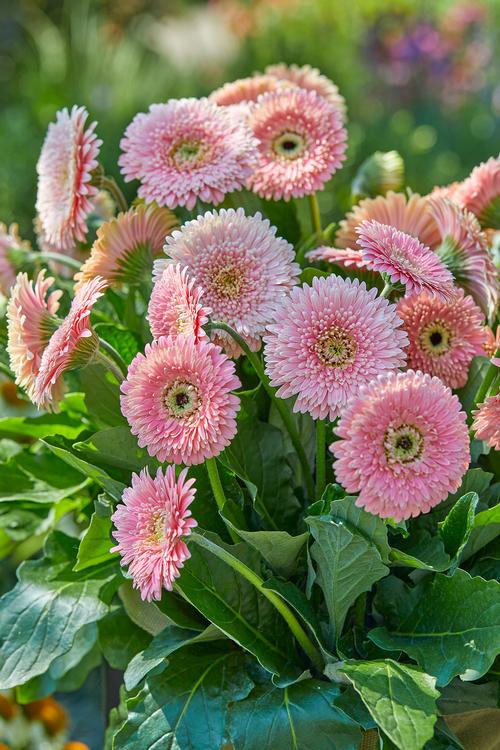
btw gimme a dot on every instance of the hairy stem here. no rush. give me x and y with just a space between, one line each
315 213
110 184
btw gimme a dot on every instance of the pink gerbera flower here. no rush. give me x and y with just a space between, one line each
242 267
404 445
150 525
444 336
328 340
126 245
302 143
67 160
176 305
405 260
185 150
245 90
177 399
11 251
31 319
72 345
480 193
486 424
306 77
464 250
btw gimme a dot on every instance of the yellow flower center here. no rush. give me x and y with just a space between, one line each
436 339
336 347
228 282
289 145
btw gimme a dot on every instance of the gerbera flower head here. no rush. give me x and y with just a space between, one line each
480 193
176 306
464 250
71 346
177 399
242 267
328 340
31 320
150 524
187 149
340 256
444 336
486 425
404 259
450 192
245 90
67 160
404 445
126 245
306 77
12 248
302 143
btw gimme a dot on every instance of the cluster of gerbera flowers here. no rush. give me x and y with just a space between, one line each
380 361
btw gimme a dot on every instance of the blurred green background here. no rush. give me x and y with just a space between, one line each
419 77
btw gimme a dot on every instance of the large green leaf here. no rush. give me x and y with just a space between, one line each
117 447
126 342
42 426
102 396
299 717
345 511
37 478
422 551
453 627
456 528
96 541
120 639
401 699
485 529
185 707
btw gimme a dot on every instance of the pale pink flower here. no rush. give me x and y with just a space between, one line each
31 320
12 248
187 149
242 267
492 344
310 79
176 305
450 192
486 424
150 524
405 260
404 445
177 399
444 336
302 143
67 160
340 256
464 250
329 339
72 345
480 193
245 90
127 244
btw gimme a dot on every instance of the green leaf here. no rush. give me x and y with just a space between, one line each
102 396
96 541
39 478
347 565
126 342
120 640
456 528
453 627
43 426
422 551
477 371
486 528
345 511
186 705
308 274
117 447
400 698
459 697
299 717
301 604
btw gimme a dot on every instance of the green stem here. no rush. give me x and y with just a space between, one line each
320 458
218 490
114 355
387 289
279 403
315 213
108 362
271 596
64 260
109 184
491 372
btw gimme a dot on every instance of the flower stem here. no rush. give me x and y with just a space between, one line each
218 490
271 596
315 213
64 260
487 381
387 289
279 403
109 184
109 357
320 458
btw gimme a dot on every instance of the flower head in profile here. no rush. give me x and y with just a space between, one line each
176 305
127 244
187 149
31 320
486 425
406 260
404 445
72 345
444 336
245 90
67 160
242 267
480 193
150 524
328 340
464 250
306 77
302 143
177 399
11 245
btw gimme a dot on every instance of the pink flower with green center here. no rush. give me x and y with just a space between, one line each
150 526
176 305
487 422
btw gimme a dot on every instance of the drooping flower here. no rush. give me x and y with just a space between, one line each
245 90
67 160
404 445
72 345
464 250
486 425
150 524
310 79
176 305
242 267
444 336
302 143
11 245
177 399
480 193
405 260
341 256
31 320
127 244
187 149
329 339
